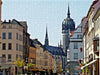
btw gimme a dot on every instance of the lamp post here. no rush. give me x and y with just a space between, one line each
26 67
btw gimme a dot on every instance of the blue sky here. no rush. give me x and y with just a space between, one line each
39 13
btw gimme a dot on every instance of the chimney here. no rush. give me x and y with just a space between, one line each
9 21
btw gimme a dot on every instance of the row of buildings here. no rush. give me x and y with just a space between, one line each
15 42
82 43
72 43
91 33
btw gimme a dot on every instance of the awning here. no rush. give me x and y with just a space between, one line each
88 64
4 67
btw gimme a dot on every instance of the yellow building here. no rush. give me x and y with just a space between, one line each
90 58
46 60
96 20
59 65
53 64
39 55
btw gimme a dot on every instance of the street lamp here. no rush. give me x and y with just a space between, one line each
26 67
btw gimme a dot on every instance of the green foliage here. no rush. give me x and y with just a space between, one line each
19 62
83 64
83 71
87 69
30 65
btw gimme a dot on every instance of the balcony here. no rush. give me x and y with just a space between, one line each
96 45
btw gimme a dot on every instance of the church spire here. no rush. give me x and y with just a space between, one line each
46 38
68 14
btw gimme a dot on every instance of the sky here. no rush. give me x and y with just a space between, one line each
42 13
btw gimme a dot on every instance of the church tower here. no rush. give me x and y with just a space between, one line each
68 25
46 38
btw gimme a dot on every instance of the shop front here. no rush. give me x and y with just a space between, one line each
90 68
5 70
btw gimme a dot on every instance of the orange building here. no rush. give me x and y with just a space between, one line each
32 54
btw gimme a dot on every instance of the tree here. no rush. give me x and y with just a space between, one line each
30 65
19 63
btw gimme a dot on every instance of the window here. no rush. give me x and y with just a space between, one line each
32 60
4 27
78 36
9 35
20 37
96 44
75 55
9 57
3 58
3 35
16 56
75 45
17 36
9 46
10 26
16 46
4 46
20 48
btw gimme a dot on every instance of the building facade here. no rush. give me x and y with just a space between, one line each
68 25
26 41
90 63
57 53
32 55
0 24
12 44
75 54
96 40
39 55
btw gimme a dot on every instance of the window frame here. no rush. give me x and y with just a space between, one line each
10 35
75 45
75 57
9 60
3 47
9 48
4 36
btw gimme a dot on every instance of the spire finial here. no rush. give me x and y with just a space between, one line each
46 37
68 14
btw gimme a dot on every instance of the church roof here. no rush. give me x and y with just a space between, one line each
55 50
36 41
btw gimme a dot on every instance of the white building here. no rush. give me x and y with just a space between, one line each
75 47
